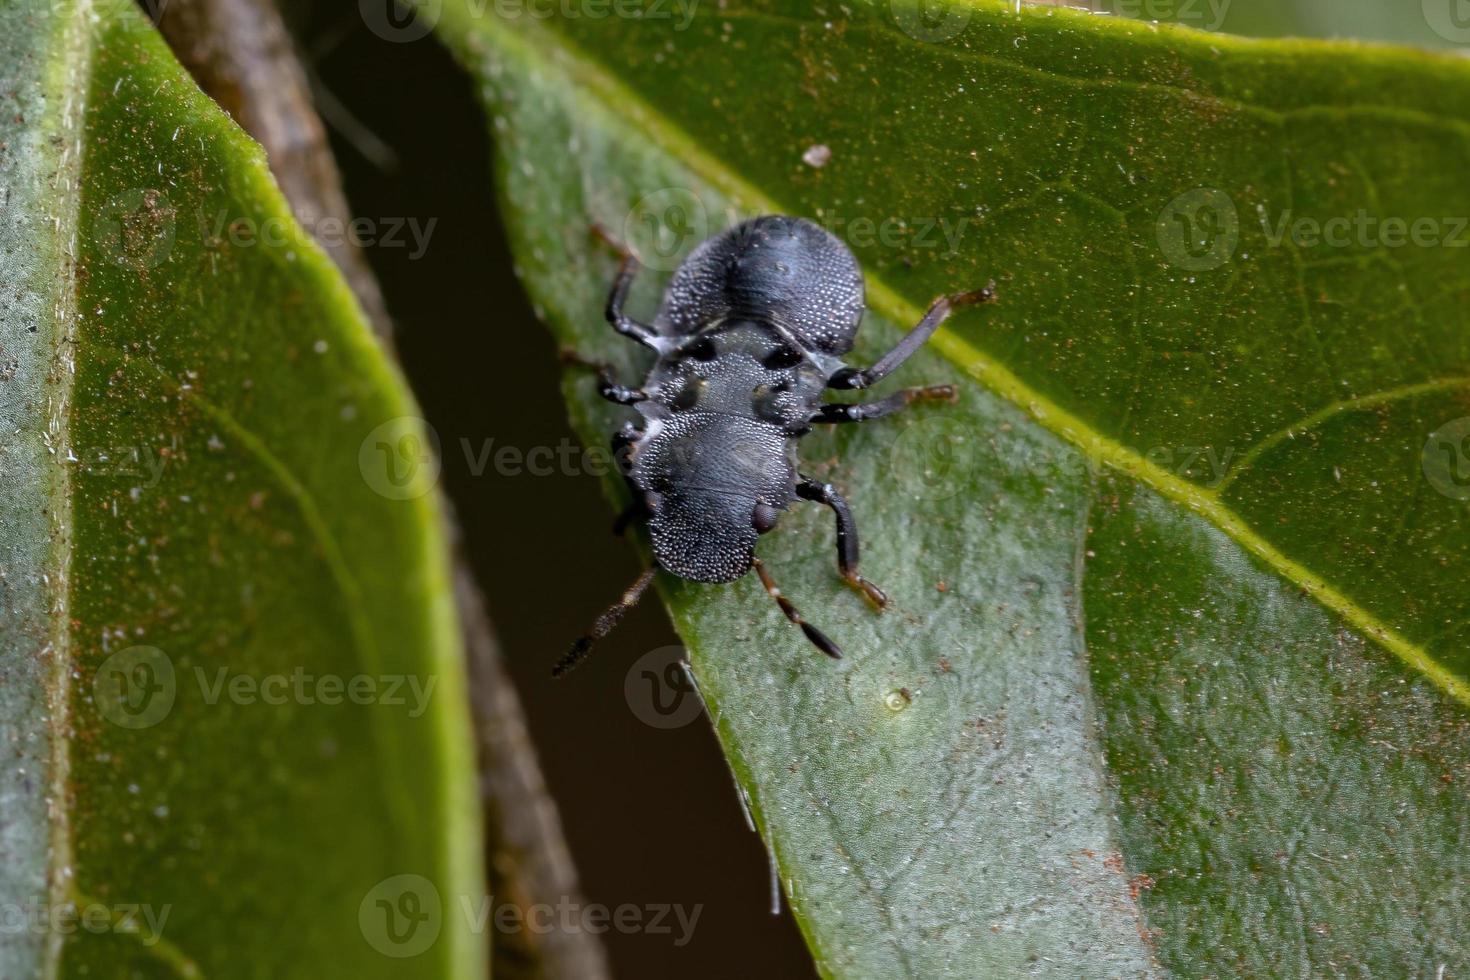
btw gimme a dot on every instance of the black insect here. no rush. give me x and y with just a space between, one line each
751 332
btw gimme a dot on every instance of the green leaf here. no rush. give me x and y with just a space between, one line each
1176 674
208 585
1426 23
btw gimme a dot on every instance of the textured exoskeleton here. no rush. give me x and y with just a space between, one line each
749 336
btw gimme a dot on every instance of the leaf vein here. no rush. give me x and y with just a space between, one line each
621 101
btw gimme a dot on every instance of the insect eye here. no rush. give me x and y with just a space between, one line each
780 358
702 349
764 517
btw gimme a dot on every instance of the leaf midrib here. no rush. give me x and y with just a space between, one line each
621 101
75 70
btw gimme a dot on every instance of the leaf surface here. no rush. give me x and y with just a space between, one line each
1176 675
232 702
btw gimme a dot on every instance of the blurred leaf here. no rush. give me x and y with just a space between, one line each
1427 23
232 701
1177 671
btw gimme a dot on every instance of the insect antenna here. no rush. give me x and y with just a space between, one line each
819 639
603 624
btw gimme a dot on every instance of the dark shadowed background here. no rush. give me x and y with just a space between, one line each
652 815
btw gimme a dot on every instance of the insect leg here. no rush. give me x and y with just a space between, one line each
614 392
849 377
622 446
603 625
607 386
847 537
819 639
862 412
636 511
621 322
